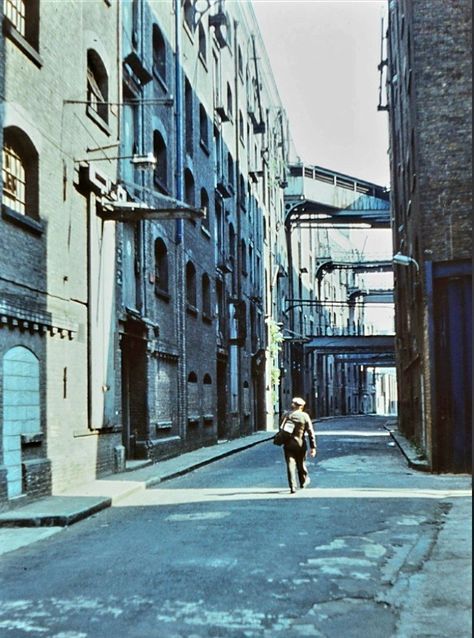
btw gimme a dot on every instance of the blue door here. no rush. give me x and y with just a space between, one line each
452 305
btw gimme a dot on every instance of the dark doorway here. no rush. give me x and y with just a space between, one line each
133 375
221 388
258 382
452 307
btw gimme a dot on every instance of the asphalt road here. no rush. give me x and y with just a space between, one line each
226 551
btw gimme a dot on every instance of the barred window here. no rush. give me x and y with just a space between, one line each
14 180
15 11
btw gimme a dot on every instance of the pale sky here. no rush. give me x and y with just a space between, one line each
324 55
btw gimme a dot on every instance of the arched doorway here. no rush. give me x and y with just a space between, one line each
21 410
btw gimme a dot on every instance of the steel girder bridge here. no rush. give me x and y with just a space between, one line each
368 350
318 196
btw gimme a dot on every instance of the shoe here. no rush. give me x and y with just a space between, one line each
307 481
292 491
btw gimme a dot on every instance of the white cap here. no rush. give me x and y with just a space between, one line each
298 401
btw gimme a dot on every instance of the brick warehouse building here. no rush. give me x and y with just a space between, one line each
135 339
59 397
429 104
211 115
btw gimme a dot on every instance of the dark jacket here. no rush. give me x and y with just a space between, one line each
303 425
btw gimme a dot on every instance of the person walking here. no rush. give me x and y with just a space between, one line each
297 423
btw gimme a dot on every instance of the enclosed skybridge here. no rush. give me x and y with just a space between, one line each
318 196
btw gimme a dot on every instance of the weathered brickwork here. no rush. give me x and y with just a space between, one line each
152 336
430 102
48 259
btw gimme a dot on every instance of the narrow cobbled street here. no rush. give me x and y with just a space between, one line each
226 551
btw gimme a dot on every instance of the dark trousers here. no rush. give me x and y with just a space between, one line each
295 463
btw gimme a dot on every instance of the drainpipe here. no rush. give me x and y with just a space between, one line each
291 316
238 216
179 230
179 117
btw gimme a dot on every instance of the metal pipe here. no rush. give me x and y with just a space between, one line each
179 117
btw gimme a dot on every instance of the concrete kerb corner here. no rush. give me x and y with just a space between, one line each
195 466
406 447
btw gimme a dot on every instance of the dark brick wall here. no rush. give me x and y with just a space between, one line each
430 95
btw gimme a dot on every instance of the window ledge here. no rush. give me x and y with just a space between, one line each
188 31
192 310
205 232
206 318
32 439
204 147
26 222
160 79
95 117
15 36
162 294
203 61
160 186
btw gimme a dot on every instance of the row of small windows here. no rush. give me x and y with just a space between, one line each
19 157
20 174
191 290
162 284
192 378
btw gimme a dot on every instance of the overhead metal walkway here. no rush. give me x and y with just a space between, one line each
372 347
315 196
328 265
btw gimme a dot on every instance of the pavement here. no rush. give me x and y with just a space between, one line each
80 502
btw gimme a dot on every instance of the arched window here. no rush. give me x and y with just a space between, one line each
189 192
230 104
205 205
202 43
160 176
161 266
19 173
243 257
230 170
219 226
159 53
188 106
203 127
241 127
191 285
242 192
193 397
232 250
97 86
240 62
206 296
207 398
